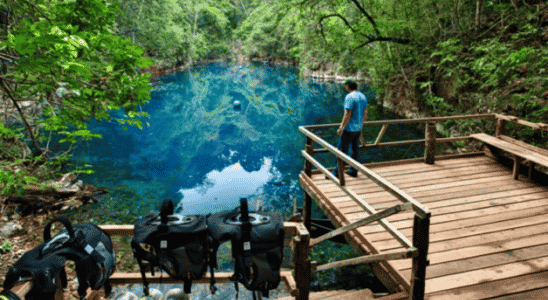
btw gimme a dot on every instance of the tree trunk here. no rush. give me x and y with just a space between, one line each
477 22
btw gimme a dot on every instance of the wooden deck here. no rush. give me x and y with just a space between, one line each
488 232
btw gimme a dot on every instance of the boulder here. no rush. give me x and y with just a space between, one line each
10 229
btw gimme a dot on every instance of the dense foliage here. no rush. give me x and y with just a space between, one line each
62 66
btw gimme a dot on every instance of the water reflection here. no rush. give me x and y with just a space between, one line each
223 189
198 148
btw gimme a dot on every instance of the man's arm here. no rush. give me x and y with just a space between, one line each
345 120
364 114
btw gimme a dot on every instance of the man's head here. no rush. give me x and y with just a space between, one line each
350 85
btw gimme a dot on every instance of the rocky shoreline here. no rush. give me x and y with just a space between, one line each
323 74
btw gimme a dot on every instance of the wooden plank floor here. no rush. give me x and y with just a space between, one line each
488 233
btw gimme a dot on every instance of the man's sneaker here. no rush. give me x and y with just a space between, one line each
352 174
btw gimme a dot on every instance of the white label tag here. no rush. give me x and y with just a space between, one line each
89 249
247 246
163 244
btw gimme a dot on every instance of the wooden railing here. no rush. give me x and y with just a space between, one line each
418 249
297 281
408 253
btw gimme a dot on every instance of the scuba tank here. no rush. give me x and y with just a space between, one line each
86 244
257 245
178 245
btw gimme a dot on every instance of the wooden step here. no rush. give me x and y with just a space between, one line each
338 295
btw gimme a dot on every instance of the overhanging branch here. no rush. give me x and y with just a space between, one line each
367 15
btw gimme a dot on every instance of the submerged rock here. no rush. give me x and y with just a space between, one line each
176 294
126 296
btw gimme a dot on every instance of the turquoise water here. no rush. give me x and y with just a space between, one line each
200 152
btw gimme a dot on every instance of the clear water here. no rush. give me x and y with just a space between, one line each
199 151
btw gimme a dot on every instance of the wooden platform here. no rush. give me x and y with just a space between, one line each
488 232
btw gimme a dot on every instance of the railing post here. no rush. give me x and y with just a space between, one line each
430 147
501 127
310 150
421 239
340 167
307 210
303 269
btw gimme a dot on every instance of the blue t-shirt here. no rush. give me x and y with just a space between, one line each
357 102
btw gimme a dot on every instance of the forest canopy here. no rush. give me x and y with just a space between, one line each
66 62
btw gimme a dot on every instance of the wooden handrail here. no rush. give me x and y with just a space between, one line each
407 121
513 119
292 228
384 223
401 195
408 253
409 142
380 215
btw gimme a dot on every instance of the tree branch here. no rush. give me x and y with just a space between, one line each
382 39
345 22
368 16
29 129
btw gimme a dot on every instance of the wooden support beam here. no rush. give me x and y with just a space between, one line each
389 227
381 134
530 171
412 252
430 145
501 127
340 168
310 150
421 240
307 210
394 282
517 163
380 215
303 268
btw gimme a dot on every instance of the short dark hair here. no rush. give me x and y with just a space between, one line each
352 85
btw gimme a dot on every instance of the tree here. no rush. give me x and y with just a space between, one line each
63 67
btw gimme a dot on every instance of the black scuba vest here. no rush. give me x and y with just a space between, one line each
178 244
257 245
86 244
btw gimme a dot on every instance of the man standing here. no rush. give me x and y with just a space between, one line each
355 113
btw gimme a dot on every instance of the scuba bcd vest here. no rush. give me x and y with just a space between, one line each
86 244
257 245
178 244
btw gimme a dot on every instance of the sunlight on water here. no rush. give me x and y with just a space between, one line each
223 189
197 147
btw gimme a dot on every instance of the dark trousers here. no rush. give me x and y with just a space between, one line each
349 138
